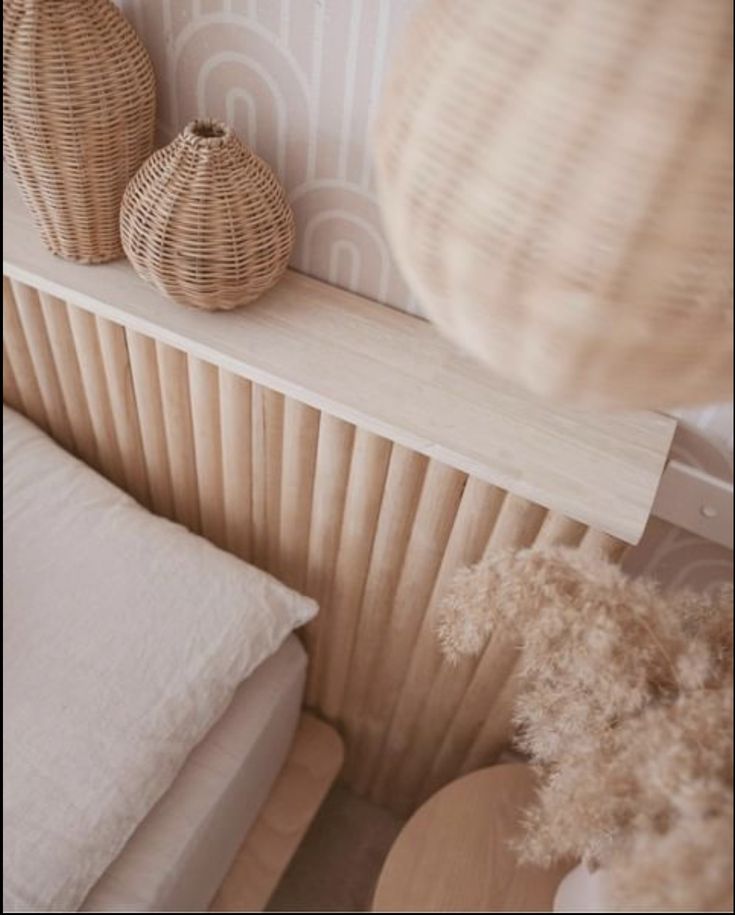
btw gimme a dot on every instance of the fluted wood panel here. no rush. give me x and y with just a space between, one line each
424 713
331 470
368 468
403 485
371 529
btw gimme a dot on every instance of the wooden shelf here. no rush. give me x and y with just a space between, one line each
387 372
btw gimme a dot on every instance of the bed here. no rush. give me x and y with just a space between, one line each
152 693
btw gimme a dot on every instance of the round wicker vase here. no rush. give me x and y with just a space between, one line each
78 117
206 221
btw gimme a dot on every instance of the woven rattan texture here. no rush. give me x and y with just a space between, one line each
206 221
556 181
78 118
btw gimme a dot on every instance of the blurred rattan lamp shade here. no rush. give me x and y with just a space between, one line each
556 182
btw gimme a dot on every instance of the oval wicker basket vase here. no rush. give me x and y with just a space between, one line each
206 221
556 183
78 118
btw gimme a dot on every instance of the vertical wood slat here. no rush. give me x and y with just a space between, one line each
558 530
273 455
176 404
205 418
125 419
31 319
64 354
20 359
300 438
267 459
331 471
91 366
11 393
147 388
235 422
368 469
603 546
518 524
440 497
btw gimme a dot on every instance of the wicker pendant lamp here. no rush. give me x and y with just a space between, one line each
78 118
206 221
556 181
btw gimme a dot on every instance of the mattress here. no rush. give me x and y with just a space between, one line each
179 855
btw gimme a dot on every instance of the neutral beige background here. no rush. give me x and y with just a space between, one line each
299 80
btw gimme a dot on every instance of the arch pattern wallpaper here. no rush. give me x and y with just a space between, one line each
298 80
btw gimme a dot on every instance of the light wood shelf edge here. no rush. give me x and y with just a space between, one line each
309 771
388 373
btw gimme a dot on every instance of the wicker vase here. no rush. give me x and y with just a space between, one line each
78 118
206 221
556 182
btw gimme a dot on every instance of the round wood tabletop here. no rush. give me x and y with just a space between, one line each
453 854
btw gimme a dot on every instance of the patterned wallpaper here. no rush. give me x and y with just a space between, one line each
299 79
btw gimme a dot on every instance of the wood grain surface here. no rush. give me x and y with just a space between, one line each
454 854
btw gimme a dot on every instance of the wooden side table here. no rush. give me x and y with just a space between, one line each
453 854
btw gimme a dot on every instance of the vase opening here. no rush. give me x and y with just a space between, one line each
207 131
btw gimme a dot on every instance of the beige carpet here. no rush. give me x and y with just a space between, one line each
338 863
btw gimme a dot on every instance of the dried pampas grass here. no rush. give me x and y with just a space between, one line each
625 705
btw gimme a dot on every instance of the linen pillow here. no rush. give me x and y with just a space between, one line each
125 637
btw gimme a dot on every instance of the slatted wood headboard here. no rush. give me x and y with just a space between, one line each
346 448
